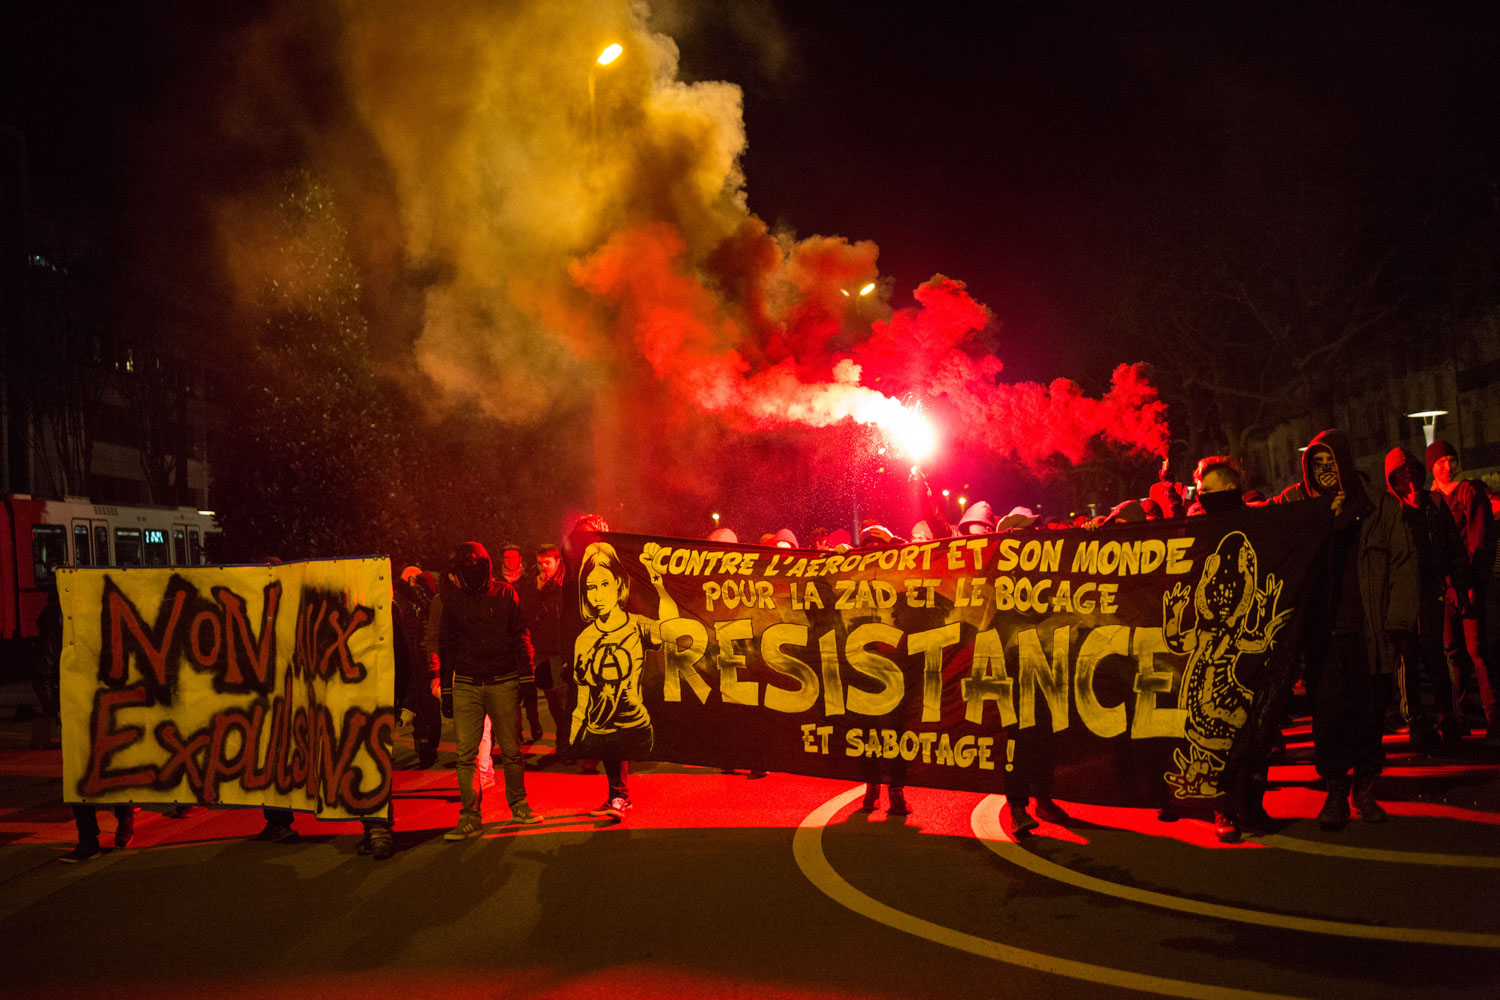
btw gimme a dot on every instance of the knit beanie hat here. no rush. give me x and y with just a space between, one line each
1437 450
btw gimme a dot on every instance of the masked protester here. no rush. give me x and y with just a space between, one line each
476 629
1368 589
1442 565
1464 619
1220 482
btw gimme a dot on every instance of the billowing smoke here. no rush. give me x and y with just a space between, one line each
572 232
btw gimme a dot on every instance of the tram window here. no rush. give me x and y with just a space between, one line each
179 547
128 546
195 547
81 545
156 547
101 545
49 549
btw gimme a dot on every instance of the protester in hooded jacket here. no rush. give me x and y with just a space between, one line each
1368 602
1464 619
1441 564
978 519
476 629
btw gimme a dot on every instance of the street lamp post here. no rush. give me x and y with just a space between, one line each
610 54
1429 422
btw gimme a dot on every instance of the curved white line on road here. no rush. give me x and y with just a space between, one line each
1373 854
985 821
807 848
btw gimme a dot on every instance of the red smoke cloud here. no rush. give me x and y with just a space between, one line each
763 336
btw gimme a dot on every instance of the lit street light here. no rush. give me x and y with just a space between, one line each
609 55
1429 422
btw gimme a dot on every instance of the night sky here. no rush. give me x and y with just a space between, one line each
1038 150
1028 149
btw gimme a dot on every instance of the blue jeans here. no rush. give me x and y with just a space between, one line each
473 701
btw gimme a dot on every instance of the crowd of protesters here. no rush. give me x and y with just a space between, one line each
1394 640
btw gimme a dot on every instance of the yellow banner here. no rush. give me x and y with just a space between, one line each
230 685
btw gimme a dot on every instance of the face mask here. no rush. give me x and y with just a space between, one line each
1325 475
475 575
1216 503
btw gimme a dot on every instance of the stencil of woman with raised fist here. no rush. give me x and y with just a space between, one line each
610 719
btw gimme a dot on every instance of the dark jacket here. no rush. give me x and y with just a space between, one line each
476 629
1373 533
1469 503
1441 558
543 610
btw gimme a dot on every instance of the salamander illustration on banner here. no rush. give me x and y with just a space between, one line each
1235 618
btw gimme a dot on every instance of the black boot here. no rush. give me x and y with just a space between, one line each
1335 811
1364 802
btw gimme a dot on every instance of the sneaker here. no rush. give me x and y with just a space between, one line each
1167 814
617 807
378 842
467 827
275 833
756 774
523 813
602 810
1021 821
1050 811
83 852
1335 811
536 735
124 831
871 799
1226 828
897 805
1364 803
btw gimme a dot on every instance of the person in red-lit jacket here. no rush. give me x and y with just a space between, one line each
1464 624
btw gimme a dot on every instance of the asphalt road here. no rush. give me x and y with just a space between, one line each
721 886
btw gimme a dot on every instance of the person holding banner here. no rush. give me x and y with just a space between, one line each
610 720
542 604
1371 589
476 630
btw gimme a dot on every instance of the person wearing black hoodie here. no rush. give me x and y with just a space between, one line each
1442 564
476 630
1351 636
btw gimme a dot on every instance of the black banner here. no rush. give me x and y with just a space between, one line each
1134 665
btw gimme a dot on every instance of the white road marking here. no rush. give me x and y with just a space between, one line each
1373 854
807 848
985 821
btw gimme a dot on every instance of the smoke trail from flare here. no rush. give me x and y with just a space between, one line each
536 249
